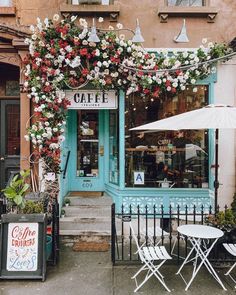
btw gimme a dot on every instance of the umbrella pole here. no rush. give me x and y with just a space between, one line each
216 182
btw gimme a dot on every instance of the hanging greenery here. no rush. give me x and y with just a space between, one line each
60 56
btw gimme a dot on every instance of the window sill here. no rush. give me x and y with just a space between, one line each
7 11
112 10
207 11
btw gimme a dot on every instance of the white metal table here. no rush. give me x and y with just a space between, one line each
198 235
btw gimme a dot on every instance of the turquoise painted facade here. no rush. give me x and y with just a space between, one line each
120 193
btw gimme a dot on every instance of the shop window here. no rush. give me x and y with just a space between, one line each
114 147
103 2
185 3
190 8
165 158
6 3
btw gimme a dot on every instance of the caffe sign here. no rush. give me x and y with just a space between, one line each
92 99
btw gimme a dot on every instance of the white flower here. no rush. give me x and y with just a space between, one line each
195 89
100 20
111 28
168 88
119 26
210 45
34 37
55 129
27 138
73 18
204 40
68 48
61 138
32 29
83 22
175 84
97 52
56 17
183 87
99 64
46 22
34 127
85 42
193 81
213 70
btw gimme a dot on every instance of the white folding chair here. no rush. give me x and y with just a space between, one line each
231 248
150 232
149 255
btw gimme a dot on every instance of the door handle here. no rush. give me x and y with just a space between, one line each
101 150
2 159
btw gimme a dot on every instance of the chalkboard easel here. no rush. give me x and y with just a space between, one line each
23 246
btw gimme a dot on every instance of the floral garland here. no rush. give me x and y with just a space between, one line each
60 56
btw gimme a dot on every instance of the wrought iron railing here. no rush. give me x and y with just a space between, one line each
157 226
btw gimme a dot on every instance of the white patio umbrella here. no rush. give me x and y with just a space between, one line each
216 117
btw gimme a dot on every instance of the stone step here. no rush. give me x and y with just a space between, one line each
87 211
86 224
102 201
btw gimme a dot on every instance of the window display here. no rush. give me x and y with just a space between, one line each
166 158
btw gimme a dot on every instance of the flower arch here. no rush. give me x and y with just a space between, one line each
60 56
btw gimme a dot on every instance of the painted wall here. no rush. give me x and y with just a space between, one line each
156 34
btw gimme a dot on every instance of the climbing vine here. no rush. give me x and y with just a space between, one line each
60 56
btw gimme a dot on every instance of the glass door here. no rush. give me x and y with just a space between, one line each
87 159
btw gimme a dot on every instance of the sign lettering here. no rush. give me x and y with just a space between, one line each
86 99
138 177
22 248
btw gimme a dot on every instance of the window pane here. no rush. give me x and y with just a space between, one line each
5 3
103 2
185 2
166 158
114 147
87 144
13 130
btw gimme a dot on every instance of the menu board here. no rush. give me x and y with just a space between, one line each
23 246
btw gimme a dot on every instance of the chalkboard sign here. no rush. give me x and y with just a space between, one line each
23 246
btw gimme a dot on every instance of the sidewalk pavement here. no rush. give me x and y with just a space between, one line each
91 273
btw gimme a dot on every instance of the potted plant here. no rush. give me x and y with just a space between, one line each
16 191
226 221
63 213
67 202
17 203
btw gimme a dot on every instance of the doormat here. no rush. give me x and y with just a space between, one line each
91 246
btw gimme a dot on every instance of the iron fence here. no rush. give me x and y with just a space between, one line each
158 225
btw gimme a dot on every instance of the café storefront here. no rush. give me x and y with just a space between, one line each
166 167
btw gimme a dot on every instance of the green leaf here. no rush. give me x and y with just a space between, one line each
18 199
24 189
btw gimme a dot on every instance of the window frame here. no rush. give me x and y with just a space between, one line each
205 3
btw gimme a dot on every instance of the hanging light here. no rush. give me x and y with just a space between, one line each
182 36
93 35
137 38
